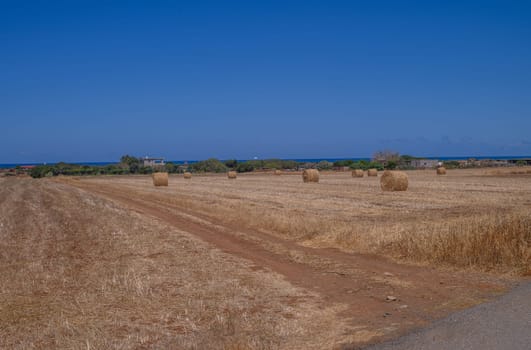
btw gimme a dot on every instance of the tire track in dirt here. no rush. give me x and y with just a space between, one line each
360 282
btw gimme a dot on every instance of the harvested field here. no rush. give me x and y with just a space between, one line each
249 264
78 271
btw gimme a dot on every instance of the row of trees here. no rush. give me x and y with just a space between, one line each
133 165
217 166
77 170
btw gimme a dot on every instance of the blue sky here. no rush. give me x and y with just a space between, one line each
90 81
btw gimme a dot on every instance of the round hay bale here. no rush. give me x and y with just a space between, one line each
310 175
441 170
187 175
278 172
394 181
231 174
160 179
357 173
372 172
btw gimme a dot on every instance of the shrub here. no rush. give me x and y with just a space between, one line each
391 165
231 163
451 164
324 165
344 162
210 165
365 165
245 167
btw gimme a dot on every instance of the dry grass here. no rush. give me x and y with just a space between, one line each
372 172
78 272
525 170
357 216
501 242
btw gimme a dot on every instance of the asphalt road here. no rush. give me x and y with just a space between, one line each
504 323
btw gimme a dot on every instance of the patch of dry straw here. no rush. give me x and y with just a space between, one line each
501 243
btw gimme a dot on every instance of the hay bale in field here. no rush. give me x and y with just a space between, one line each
441 170
160 179
394 181
231 174
187 175
310 175
357 173
278 172
372 172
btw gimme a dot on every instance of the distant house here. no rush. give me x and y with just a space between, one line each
153 162
424 163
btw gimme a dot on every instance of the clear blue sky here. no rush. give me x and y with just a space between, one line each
90 81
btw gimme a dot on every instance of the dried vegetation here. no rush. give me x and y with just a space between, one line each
78 272
469 218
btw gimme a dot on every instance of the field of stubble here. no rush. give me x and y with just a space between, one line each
212 263
475 219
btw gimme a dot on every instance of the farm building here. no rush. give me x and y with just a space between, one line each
424 163
153 162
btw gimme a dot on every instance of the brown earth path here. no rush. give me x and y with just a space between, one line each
360 282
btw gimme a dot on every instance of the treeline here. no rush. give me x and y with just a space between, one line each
127 165
78 170
134 165
214 165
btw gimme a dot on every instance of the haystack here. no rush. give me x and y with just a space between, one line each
372 172
231 174
394 181
160 179
310 175
278 172
357 173
441 170
187 175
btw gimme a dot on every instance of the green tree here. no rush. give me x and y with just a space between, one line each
210 165
324 165
343 162
231 163
451 164
171 168
129 160
391 165
245 167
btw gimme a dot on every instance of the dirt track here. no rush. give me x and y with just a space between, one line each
78 271
360 282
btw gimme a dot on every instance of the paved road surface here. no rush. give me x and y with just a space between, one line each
501 324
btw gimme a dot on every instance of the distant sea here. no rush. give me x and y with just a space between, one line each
302 160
